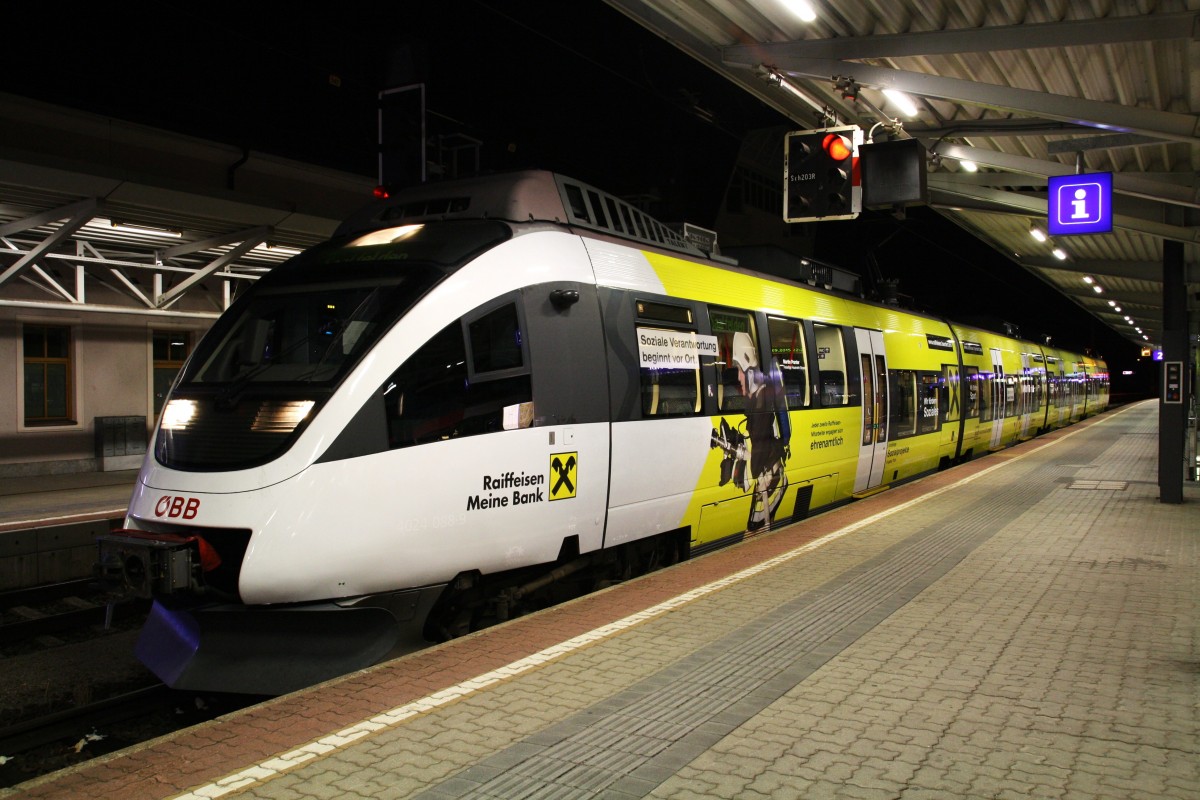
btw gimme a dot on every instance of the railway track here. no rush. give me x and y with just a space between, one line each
64 738
46 616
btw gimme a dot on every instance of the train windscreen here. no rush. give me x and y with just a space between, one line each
272 359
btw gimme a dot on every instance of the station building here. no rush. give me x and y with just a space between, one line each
119 246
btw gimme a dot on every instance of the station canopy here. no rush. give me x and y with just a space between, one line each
1005 95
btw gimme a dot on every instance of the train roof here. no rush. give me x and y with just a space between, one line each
531 196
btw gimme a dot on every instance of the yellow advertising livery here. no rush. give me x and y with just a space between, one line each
482 396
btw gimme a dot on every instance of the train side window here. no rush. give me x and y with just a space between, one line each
950 394
987 396
1011 389
669 371
970 383
1031 393
790 354
433 396
669 389
496 340
737 352
928 419
902 421
831 366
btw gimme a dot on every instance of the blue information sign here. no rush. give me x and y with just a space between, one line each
1080 204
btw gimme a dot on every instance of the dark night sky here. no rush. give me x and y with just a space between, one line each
570 86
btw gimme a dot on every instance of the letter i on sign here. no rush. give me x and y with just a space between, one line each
1080 204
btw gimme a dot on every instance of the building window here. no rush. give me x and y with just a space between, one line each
170 349
48 375
751 189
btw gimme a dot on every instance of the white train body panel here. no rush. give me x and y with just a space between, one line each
407 517
661 464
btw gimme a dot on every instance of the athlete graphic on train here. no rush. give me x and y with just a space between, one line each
761 441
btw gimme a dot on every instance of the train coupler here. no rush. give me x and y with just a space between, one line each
141 564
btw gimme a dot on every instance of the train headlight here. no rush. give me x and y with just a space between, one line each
280 417
178 415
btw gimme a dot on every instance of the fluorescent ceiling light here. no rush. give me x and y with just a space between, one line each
902 101
1060 254
1037 233
277 249
968 165
802 9
132 227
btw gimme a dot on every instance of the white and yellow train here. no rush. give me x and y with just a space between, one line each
481 394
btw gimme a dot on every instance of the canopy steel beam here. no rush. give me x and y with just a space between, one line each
1132 184
1079 33
1114 141
1148 299
109 309
217 265
1010 126
1133 270
994 199
76 215
256 235
1090 113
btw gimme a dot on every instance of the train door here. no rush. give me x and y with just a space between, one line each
999 396
1062 397
873 446
1026 401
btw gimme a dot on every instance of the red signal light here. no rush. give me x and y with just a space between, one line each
838 147
380 192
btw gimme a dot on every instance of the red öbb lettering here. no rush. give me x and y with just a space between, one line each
173 507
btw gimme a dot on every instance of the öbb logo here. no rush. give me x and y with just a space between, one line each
177 507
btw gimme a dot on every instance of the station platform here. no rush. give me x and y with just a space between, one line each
45 500
1025 625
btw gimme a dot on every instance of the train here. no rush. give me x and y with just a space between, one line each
482 396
